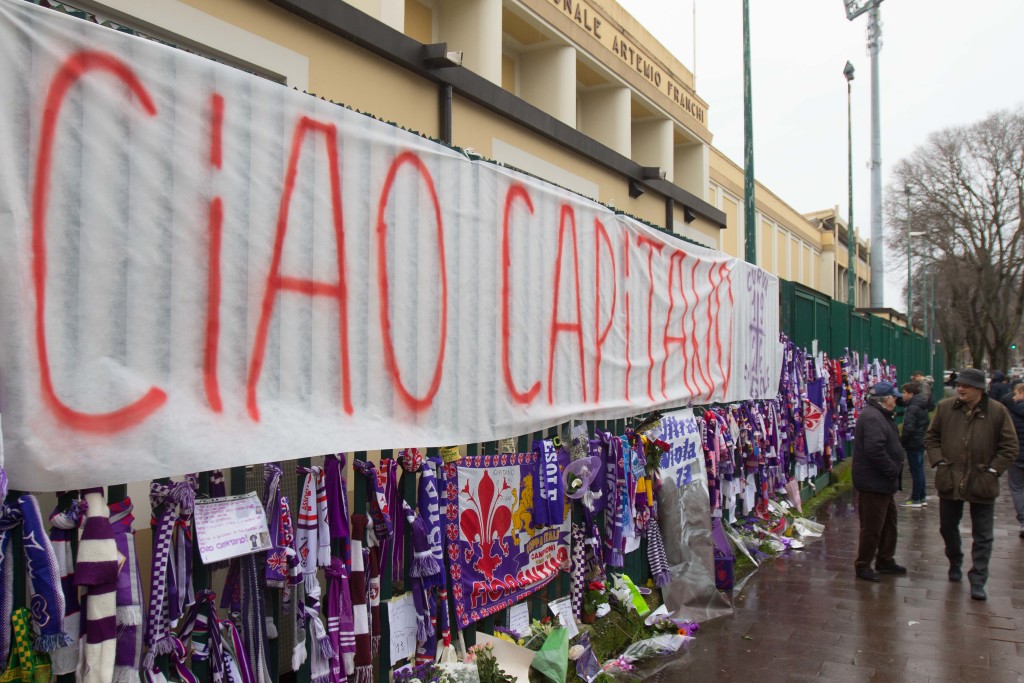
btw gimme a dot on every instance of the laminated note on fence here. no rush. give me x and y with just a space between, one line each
562 608
519 619
231 526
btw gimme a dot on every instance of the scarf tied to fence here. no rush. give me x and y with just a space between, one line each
63 531
312 536
174 501
130 616
98 566
47 599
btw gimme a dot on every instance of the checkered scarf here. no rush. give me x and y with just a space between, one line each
167 499
63 531
578 569
128 658
656 553
44 577
25 665
97 569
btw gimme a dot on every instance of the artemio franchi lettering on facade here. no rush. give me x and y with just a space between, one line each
634 56
582 15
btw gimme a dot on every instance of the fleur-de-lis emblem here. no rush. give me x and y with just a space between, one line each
486 523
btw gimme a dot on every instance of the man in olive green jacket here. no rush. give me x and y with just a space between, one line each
970 442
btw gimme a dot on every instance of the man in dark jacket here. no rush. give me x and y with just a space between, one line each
970 442
915 423
999 389
877 462
1014 402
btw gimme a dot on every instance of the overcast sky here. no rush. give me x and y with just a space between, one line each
943 63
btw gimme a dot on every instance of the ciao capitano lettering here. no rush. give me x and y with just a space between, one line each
633 56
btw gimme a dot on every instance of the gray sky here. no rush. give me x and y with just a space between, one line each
943 63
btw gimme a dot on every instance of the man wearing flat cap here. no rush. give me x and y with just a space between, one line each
877 462
970 442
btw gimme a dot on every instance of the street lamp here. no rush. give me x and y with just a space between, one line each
851 242
854 8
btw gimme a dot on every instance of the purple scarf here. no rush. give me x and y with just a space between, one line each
376 499
340 624
429 505
128 659
337 500
548 496
63 531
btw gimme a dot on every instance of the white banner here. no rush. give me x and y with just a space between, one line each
204 269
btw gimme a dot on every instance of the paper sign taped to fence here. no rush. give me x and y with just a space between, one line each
230 527
562 609
402 622
519 619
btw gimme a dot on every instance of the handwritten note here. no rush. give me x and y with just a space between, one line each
562 607
402 622
519 619
230 527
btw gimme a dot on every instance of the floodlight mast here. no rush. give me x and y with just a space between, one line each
855 8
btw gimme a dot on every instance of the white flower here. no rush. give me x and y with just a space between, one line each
575 652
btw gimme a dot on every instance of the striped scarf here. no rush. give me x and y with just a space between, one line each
363 660
614 539
97 569
312 536
63 531
128 658
376 499
656 553
340 627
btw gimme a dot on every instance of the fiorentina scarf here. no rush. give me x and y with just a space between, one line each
44 576
615 471
253 618
312 537
423 566
63 531
376 499
373 593
548 496
428 502
360 611
128 658
277 556
393 545
97 569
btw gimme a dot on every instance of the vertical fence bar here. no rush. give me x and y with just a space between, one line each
303 675
386 579
469 635
200 575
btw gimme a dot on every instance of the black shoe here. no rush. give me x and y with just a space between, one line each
955 574
890 568
978 592
868 574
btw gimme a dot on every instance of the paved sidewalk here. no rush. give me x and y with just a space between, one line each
804 616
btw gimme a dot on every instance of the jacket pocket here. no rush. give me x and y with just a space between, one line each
983 484
944 479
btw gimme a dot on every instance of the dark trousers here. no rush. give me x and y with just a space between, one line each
877 513
916 461
983 517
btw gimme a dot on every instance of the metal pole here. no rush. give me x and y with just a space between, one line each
877 259
910 265
851 240
749 216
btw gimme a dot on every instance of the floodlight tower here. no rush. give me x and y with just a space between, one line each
855 8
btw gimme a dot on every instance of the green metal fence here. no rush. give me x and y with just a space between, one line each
807 316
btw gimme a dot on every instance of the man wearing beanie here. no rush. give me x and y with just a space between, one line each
970 442
877 462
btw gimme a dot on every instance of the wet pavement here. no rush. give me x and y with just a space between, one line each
804 615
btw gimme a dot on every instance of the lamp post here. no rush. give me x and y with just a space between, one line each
854 8
851 241
749 211
910 264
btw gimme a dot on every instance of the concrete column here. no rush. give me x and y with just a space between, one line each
474 27
547 80
652 145
604 116
691 168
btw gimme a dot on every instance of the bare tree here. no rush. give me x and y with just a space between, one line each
966 191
